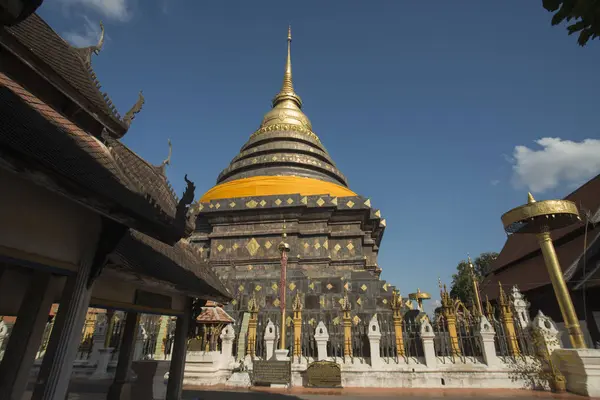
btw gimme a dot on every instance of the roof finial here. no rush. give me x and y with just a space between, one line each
530 198
287 88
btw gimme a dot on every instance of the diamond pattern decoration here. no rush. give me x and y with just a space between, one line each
274 286
235 246
278 202
292 286
252 247
234 302
320 202
326 244
220 247
356 320
359 301
311 285
350 246
288 321
304 200
241 288
364 287
258 288
268 245
276 302
232 204
274 158
211 205
367 203
200 207
251 204
290 201
218 205
384 301
306 245
334 201
350 204
341 300
336 321
317 245
262 203
329 286
337 247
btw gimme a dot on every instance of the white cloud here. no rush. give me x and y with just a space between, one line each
437 303
558 162
494 182
87 37
112 9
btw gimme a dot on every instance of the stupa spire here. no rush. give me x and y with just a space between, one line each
287 88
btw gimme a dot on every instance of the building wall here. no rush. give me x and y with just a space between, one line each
42 226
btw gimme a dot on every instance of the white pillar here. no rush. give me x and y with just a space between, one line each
55 373
175 383
26 335
321 337
374 341
227 337
486 336
270 339
427 337
521 306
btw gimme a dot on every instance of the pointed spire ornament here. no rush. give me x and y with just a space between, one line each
530 198
287 88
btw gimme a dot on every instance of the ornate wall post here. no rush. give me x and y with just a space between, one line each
427 337
321 337
297 308
506 317
347 323
450 316
374 341
253 310
397 318
227 336
270 339
486 334
521 307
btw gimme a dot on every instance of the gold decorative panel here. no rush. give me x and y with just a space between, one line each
368 203
276 302
232 204
336 321
326 244
262 203
350 246
320 202
235 246
378 214
290 201
311 285
220 247
218 205
356 320
304 200
312 322
337 247
364 287
350 204
317 245
329 286
359 301
292 286
241 288
288 321
384 301
268 245
251 204
252 247
234 302
274 286
346 286
306 245
278 202
334 201
258 288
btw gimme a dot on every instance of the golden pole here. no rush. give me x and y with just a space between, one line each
475 288
297 307
508 323
560 290
397 317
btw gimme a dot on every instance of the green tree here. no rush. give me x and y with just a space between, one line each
462 285
585 15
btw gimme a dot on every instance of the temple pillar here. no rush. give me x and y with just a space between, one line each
120 389
55 372
26 336
175 383
374 341
270 339
227 337
427 336
321 337
486 335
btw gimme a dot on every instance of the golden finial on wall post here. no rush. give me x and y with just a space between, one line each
506 317
396 305
449 313
253 309
297 321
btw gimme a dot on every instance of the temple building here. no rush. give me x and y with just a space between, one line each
283 181
577 246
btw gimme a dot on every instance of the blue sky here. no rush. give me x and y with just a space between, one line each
431 108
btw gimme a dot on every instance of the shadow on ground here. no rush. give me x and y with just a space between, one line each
219 395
